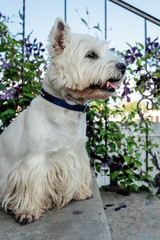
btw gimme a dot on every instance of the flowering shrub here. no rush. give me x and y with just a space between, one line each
110 144
15 94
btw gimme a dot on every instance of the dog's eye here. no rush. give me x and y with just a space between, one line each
92 55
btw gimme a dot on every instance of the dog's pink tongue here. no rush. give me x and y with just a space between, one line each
113 85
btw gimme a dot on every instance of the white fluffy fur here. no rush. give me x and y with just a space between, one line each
43 160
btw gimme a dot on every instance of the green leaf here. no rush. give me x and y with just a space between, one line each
129 45
23 99
3 25
123 185
84 21
129 172
135 187
114 175
145 148
137 164
103 132
29 95
141 45
126 158
97 27
8 112
2 86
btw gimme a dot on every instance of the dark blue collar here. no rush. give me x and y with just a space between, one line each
63 103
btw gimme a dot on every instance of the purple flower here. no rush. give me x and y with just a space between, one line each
103 164
5 65
36 54
7 94
156 45
126 90
122 205
28 45
149 203
128 99
151 47
40 45
132 55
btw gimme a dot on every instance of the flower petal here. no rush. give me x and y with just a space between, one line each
128 99
149 203
122 205
12 92
129 51
132 59
156 44
138 55
4 97
134 49
4 90
11 97
127 57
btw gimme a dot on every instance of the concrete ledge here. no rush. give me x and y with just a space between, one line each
80 220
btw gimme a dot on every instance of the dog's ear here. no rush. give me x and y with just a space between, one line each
59 36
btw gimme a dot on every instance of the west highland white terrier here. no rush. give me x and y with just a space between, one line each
43 159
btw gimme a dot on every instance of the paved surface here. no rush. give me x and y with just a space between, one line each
138 221
80 220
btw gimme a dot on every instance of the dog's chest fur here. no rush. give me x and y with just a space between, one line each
54 126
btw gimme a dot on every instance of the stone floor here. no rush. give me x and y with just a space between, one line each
80 220
132 217
139 220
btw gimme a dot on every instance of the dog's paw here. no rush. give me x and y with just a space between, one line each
82 195
26 218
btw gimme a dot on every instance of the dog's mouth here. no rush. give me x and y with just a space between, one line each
110 85
99 90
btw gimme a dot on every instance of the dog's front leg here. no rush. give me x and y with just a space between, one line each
84 190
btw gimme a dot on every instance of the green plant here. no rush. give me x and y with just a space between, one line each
15 93
113 146
108 142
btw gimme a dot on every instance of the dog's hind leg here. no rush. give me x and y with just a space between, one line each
41 182
24 193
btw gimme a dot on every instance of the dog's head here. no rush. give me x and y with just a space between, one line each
82 67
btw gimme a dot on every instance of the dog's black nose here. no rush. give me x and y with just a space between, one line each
122 67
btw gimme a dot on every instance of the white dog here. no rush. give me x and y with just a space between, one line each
43 160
